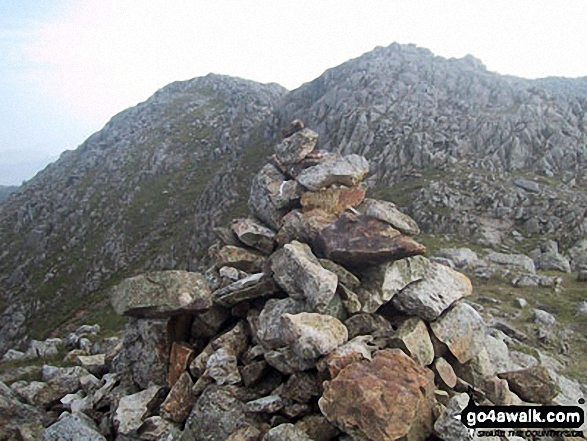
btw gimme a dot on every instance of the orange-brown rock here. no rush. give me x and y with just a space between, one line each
359 241
179 360
386 399
335 199
180 400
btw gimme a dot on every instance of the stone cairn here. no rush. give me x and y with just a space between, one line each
320 320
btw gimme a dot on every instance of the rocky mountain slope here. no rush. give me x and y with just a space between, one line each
329 326
6 190
496 159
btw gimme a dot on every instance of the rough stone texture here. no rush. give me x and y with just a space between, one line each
428 298
358 349
248 261
553 261
133 409
387 212
245 433
534 384
180 400
300 274
447 427
303 226
536 280
161 294
268 404
312 335
460 257
347 170
64 381
217 413
412 337
333 200
386 399
518 262
156 428
179 360
286 361
269 321
96 364
317 428
296 147
14 413
363 324
208 323
381 283
222 367
445 372
254 234
543 318
73 428
271 195
286 432
144 357
359 241
462 329
345 277
250 287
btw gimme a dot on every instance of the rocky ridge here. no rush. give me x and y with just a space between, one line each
305 331
466 152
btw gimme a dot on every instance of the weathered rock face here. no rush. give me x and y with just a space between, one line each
386 399
358 241
430 297
387 212
348 170
312 335
462 329
254 234
73 427
162 294
296 147
300 274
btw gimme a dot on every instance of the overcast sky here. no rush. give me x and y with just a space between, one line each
67 66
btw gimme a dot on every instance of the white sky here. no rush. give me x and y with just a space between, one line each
68 68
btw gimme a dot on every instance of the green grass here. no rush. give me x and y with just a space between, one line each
562 306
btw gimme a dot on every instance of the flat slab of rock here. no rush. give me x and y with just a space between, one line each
430 297
534 384
251 287
254 234
359 241
296 147
347 170
335 199
313 335
161 294
462 329
385 399
387 212
519 262
300 274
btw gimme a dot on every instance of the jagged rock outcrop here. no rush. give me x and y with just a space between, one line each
464 150
307 348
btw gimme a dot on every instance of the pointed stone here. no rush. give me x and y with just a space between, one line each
359 241
462 329
179 360
387 212
300 274
180 400
440 287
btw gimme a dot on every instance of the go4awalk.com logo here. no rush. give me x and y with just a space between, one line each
568 418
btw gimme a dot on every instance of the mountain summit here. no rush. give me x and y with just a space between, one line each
464 151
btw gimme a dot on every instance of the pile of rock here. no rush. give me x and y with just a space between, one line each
320 320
